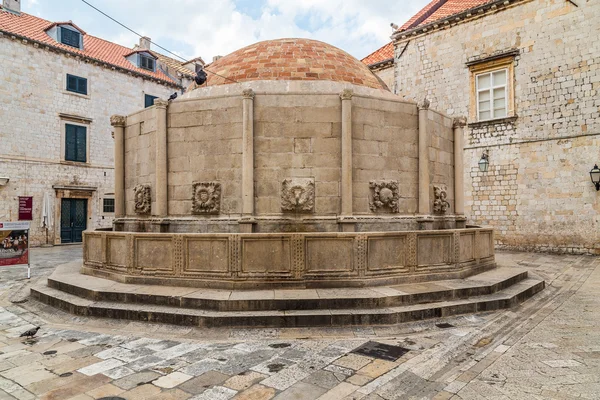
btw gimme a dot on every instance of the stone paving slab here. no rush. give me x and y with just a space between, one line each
545 348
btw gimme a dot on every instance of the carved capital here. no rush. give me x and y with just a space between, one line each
423 104
206 198
160 103
459 122
118 120
142 199
346 94
248 94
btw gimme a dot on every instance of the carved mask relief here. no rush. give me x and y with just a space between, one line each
384 196
298 194
440 204
142 199
206 198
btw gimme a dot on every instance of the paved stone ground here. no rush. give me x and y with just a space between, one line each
547 348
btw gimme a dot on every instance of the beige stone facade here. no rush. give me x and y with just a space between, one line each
34 109
537 193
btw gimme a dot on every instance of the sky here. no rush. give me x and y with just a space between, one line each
206 28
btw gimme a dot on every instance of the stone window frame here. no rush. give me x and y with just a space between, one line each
64 121
489 65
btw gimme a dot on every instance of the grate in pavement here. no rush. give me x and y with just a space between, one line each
444 325
49 352
381 350
111 398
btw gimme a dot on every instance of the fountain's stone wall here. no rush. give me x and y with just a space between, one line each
288 259
297 135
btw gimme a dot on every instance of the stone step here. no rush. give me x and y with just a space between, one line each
504 298
69 280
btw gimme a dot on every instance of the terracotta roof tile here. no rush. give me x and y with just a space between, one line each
292 59
34 28
439 9
383 53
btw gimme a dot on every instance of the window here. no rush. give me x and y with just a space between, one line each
108 205
149 100
75 143
491 95
70 37
76 84
492 89
146 62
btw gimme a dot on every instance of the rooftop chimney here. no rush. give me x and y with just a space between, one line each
145 42
215 58
12 5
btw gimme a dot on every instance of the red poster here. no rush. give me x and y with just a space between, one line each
13 246
25 208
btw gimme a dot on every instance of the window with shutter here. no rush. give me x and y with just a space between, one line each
75 143
149 100
146 62
70 37
76 84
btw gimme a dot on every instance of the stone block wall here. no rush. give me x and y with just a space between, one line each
297 136
385 147
537 193
34 106
204 145
441 156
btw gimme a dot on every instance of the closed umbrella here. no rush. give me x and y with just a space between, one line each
46 221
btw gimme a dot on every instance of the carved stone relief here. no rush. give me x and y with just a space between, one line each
142 199
384 196
440 204
298 194
206 198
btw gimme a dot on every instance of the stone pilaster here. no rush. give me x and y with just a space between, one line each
459 190
118 122
161 186
346 97
247 160
424 219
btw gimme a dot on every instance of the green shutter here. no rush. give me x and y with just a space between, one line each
81 144
71 83
70 142
75 143
82 85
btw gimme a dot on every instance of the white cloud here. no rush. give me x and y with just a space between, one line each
208 28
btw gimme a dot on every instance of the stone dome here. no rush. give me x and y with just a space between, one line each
292 59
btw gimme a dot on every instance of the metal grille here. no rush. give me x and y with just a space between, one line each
65 214
80 213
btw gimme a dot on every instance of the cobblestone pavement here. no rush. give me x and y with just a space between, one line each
547 348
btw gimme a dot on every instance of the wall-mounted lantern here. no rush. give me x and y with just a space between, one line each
595 175
484 163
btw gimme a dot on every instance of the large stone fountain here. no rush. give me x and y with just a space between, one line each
294 166
259 198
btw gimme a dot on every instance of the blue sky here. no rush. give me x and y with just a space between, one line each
205 28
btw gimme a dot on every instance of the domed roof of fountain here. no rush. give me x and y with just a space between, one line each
292 59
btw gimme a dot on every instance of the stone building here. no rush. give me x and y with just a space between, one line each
527 75
59 87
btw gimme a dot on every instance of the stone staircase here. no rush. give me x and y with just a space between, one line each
85 295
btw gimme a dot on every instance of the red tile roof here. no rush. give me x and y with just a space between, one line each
383 53
439 9
436 10
34 28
